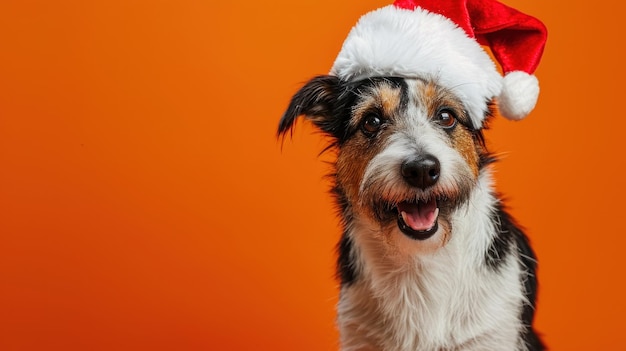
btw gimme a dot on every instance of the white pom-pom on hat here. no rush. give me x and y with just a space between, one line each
519 94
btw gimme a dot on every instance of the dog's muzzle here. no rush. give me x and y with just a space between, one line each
419 219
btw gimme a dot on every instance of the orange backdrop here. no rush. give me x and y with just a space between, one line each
145 203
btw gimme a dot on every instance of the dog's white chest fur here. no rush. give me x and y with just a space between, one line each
446 300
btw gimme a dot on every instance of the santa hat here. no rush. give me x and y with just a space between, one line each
442 40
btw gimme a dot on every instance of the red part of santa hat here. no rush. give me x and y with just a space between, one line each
421 37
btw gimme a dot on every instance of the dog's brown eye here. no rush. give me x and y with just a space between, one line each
371 124
445 118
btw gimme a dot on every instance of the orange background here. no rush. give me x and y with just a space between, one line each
145 203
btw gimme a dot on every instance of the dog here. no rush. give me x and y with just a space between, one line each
429 258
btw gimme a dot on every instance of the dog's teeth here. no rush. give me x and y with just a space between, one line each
404 218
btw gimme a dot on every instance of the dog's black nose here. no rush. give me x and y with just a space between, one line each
421 172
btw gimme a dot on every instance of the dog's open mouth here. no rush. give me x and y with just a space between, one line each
418 220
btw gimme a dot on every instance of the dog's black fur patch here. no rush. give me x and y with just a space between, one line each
346 271
529 264
511 237
500 247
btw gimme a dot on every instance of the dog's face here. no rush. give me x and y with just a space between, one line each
407 153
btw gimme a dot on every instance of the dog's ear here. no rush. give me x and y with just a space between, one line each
317 101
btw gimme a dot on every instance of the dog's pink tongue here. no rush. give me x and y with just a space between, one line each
419 216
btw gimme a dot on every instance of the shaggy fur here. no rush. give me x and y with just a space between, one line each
428 259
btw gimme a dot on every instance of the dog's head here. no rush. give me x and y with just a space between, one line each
408 153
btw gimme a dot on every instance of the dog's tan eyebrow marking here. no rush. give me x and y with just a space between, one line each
432 97
383 98
427 95
390 98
